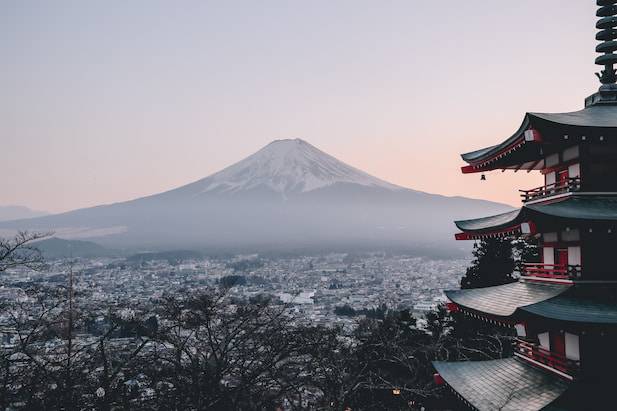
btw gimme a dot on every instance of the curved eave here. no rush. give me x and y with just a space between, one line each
591 208
484 154
571 309
506 384
493 223
503 300
577 209
520 151
601 116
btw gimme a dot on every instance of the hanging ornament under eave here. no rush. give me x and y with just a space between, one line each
483 177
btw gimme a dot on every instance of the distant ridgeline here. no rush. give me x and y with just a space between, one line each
56 248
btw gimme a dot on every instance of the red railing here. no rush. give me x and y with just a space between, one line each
555 271
571 184
554 360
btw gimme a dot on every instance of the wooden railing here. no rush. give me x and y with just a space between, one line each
571 184
554 360
554 271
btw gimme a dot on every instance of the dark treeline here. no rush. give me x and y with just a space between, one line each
206 351
202 351
378 313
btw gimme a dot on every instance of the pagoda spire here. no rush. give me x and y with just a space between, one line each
607 24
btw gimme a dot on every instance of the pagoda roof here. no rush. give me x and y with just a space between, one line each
601 116
504 300
589 208
572 308
492 222
591 304
522 149
580 207
506 384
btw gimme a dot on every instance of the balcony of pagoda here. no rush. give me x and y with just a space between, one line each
552 271
549 360
568 185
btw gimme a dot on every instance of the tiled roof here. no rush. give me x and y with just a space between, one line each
492 222
587 207
506 384
596 117
504 300
594 208
575 309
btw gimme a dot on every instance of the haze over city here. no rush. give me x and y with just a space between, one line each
107 102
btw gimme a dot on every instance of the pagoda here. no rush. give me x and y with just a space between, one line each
563 309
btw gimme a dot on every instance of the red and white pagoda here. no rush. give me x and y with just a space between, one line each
564 309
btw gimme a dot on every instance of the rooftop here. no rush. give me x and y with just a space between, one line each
574 208
506 384
504 300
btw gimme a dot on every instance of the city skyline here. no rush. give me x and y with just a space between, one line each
107 104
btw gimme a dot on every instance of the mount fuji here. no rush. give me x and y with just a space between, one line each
289 166
287 196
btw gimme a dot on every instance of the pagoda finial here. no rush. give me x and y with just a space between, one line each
608 34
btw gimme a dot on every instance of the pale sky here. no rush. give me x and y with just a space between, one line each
105 101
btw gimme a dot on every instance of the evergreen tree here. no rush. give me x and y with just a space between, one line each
493 264
525 251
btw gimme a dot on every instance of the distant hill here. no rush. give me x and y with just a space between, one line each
13 212
54 248
287 196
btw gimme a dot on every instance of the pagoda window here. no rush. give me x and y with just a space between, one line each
574 170
550 178
550 237
552 160
549 255
572 347
521 330
570 153
570 235
544 340
574 256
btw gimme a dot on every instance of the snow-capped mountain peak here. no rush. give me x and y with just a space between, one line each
287 166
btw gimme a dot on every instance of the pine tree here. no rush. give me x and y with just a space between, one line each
493 264
525 251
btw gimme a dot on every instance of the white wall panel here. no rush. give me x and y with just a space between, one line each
549 255
574 170
570 153
550 178
544 340
574 255
572 347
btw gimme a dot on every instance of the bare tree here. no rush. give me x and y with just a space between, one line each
20 251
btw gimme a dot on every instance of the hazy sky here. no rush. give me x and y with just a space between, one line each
104 101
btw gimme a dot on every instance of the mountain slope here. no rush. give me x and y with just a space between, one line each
287 195
53 248
287 166
12 212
